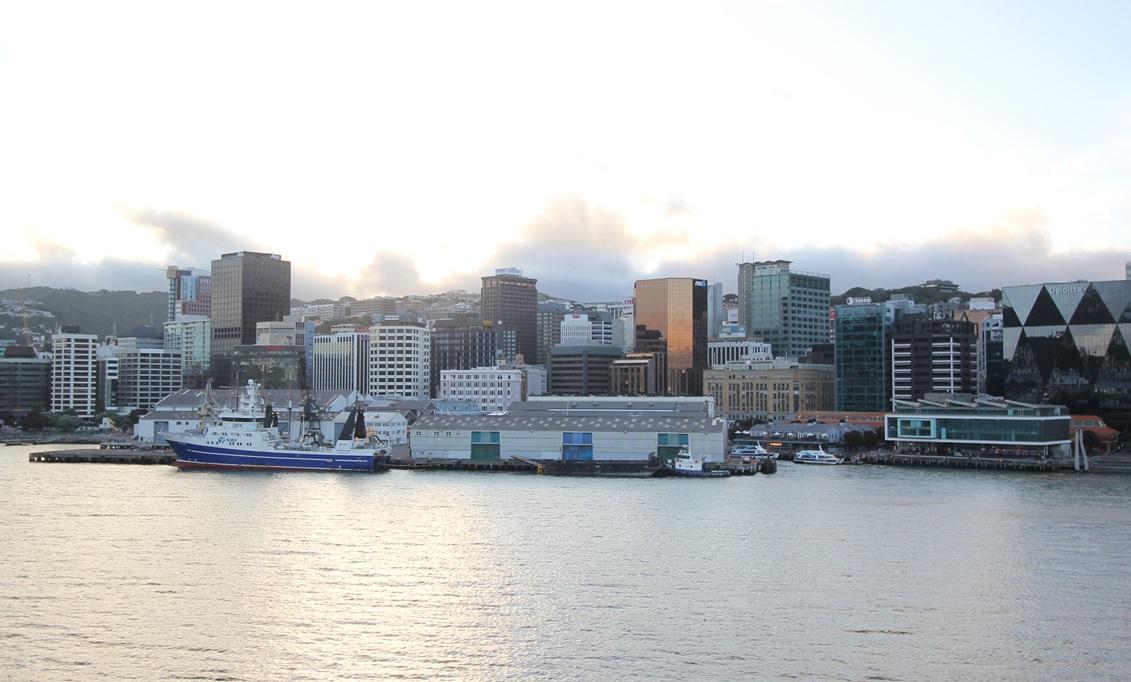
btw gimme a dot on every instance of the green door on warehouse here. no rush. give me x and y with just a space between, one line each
485 445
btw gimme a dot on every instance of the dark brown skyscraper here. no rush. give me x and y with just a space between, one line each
677 308
512 299
247 287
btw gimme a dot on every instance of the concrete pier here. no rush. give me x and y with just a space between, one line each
104 456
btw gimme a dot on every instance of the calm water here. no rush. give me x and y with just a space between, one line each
129 572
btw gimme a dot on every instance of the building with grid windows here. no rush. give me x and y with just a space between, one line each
861 344
787 308
491 388
465 341
247 288
773 390
510 299
74 373
342 360
400 353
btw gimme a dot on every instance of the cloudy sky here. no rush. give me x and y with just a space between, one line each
414 146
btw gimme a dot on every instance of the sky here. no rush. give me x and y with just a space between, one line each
392 148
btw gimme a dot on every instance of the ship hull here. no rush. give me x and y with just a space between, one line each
196 456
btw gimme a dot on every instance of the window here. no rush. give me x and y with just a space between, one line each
577 445
917 428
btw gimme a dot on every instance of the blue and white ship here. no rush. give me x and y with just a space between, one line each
248 438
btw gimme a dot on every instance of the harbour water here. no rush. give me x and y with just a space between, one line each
838 573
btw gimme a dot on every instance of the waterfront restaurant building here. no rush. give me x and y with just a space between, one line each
962 424
612 429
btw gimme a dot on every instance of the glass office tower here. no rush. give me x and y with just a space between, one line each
860 368
787 308
676 307
247 288
1066 343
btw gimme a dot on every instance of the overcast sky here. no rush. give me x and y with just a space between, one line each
414 146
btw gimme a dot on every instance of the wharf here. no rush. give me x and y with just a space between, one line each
1111 463
512 465
105 456
1001 463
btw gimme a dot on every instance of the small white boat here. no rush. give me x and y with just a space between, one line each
754 451
815 457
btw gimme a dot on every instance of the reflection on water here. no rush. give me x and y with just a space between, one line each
130 572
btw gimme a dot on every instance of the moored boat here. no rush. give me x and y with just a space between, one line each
816 457
248 438
688 465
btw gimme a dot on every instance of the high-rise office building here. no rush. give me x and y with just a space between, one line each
74 373
787 308
190 292
466 342
549 328
146 376
1066 343
581 370
400 353
247 288
191 336
861 383
341 360
716 314
676 307
932 356
25 382
511 299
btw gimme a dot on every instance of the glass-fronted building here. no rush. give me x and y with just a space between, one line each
676 307
859 358
787 308
247 288
1066 343
944 424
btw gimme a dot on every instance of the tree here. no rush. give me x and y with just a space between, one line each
62 421
135 415
34 421
852 439
870 438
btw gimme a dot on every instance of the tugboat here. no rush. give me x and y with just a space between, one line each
689 466
248 438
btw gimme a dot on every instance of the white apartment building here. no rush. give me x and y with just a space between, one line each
191 336
576 330
492 388
536 379
146 376
341 361
74 373
724 351
400 359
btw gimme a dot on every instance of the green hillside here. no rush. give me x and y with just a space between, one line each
97 312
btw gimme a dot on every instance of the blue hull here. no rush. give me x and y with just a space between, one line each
213 457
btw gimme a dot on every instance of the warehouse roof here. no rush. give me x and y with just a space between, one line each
541 421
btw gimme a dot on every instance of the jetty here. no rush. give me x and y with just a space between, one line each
105 456
962 462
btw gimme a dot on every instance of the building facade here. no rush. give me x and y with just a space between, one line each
145 377
860 358
247 288
341 360
510 299
676 307
492 388
932 356
787 308
948 424
465 342
74 373
272 367
581 370
636 374
550 316
25 382
1066 343
190 292
771 391
191 336
400 359
725 351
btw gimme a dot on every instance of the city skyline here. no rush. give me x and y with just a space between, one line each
727 132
